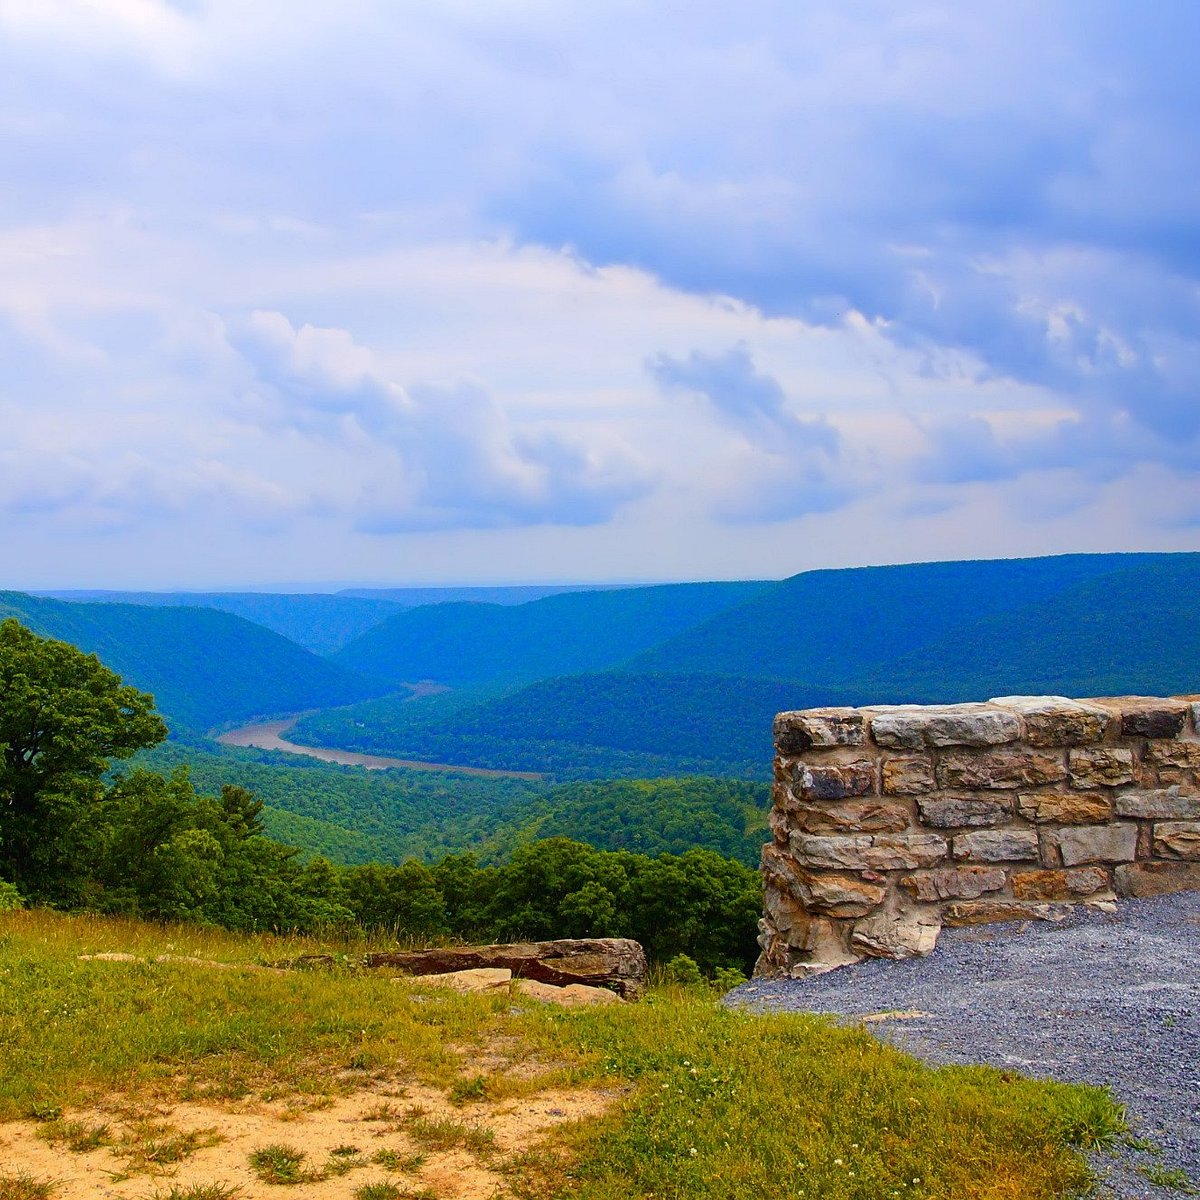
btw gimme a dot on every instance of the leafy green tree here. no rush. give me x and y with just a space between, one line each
64 717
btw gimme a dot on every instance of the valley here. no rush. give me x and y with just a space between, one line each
268 735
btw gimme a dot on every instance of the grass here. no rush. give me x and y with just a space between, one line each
440 1133
707 1104
280 1164
24 1187
1170 1177
200 1191
77 1136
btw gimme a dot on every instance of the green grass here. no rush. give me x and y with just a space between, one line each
24 1187
705 1103
281 1164
1170 1177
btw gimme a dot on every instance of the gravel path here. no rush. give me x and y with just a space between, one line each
1106 998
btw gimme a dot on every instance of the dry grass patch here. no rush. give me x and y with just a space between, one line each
385 1087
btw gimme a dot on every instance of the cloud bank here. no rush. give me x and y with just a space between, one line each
510 291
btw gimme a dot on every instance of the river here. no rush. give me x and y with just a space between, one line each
268 735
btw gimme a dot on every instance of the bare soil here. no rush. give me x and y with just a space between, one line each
381 1118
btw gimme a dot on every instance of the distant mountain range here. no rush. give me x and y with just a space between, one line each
322 622
204 667
556 635
701 700
643 680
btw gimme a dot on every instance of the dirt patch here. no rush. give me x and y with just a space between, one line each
411 1136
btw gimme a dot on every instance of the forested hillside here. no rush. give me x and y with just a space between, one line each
204 667
582 726
319 622
703 700
354 816
559 635
834 627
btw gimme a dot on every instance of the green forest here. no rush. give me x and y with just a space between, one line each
76 834
646 712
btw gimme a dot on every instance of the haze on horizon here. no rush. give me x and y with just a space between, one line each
451 293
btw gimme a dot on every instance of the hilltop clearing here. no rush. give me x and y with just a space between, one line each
173 1075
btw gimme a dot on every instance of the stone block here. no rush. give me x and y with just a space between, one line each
896 935
854 816
1057 720
1174 754
796 732
949 812
1157 804
1156 878
911 727
997 845
982 912
1071 808
837 895
779 825
1059 885
999 769
1177 839
953 883
836 781
1097 843
1100 768
908 775
868 852
1148 716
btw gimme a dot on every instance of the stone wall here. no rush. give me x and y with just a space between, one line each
892 822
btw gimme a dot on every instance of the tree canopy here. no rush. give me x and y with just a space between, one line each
64 717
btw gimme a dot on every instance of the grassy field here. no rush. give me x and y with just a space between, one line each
189 1081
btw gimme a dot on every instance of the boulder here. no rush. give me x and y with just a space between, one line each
615 963
574 995
477 979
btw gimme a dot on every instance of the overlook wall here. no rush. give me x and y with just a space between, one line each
891 822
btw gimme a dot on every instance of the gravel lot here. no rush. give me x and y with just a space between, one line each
1106 998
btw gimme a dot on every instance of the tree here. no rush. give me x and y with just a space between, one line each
63 717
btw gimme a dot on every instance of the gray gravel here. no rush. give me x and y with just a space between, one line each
1105 998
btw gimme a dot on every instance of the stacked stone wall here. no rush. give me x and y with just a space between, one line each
889 823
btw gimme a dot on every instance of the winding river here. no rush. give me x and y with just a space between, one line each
268 735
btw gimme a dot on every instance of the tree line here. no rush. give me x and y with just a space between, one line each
75 836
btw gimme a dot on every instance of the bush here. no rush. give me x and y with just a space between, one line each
10 898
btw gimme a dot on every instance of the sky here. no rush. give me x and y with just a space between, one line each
484 291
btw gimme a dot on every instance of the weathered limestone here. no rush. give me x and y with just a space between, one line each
1064 808
837 781
901 935
911 728
1057 721
1059 885
890 822
796 732
1177 839
1100 768
1161 804
879 852
950 812
997 845
616 963
1156 878
982 912
953 883
863 816
1016 768
907 775
1097 844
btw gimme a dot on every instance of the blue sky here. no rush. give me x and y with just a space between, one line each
511 291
